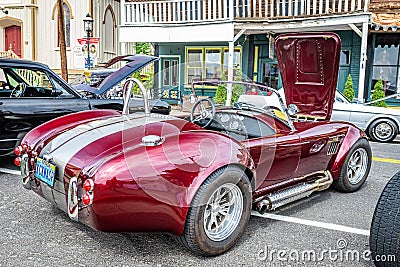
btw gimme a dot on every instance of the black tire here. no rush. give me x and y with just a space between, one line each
346 183
387 135
384 240
195 237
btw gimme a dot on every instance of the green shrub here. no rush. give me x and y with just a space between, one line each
378 93
348 91
220 94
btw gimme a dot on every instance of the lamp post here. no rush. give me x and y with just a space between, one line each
88 24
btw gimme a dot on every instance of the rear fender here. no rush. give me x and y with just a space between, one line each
167 176
352 136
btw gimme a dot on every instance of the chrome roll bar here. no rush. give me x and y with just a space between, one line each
127 93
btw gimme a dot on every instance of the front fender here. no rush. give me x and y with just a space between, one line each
352 136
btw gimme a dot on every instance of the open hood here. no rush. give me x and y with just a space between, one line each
309 65
134 63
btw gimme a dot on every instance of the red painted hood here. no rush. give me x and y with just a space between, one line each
309 65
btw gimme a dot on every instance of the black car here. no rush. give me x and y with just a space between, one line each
31 93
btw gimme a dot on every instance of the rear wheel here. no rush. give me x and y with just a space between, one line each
355 168
219 213
383 130
384 238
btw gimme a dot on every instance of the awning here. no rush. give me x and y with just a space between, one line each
385 15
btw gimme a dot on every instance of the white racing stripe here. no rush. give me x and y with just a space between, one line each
9 171
329 226
66 145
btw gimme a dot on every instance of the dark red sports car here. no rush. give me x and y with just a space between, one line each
199 177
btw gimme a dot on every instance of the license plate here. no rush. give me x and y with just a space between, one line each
45 171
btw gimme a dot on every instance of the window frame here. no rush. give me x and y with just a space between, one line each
223 68
376 66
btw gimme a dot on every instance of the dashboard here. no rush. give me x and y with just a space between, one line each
240 126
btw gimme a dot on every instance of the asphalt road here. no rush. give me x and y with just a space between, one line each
34 233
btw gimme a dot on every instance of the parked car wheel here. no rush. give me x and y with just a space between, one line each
355 168
384 238
383 130
219 213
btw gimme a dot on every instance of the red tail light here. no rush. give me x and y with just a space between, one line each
17 161
18 150
88 185
87 199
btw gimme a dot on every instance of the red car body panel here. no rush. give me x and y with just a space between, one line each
150 188
309 66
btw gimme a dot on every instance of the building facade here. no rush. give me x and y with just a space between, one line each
199 39
29 28
218 38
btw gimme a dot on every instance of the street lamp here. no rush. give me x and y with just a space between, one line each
88 24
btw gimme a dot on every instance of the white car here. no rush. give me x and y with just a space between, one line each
380 124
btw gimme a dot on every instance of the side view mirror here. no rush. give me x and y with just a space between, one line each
292 109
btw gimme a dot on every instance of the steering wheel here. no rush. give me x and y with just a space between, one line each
18 91
204 109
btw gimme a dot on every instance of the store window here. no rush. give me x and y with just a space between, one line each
210 63
194 65
386 66
345 57
236 62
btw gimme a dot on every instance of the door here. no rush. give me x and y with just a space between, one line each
13 39
343 74
275 157
170 81
344 69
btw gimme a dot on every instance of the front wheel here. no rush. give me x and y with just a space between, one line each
383 130
384 239
219 213
355 168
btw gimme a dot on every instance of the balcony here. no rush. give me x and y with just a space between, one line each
206 11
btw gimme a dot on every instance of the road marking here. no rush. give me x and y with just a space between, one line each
9 171
329 226
397 161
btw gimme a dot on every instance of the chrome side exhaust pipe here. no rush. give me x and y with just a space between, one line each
286 196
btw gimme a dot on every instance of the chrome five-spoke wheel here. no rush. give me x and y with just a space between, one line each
218 213
223 211
357 166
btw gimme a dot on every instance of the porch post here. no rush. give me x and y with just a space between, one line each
123 48
123 13
363 61
230 73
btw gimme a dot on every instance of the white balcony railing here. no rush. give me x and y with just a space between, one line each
173 11
184 11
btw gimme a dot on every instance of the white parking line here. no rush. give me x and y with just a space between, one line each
9 171
330 226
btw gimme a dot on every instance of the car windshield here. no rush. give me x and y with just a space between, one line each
251 96
340 98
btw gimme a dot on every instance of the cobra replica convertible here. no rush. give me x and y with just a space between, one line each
198 177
